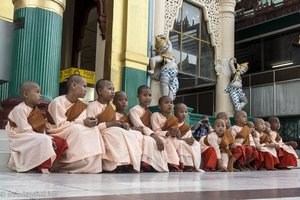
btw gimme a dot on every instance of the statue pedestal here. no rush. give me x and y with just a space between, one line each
156 92
9 104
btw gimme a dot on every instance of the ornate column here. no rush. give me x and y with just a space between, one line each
37 45
159 28
225 52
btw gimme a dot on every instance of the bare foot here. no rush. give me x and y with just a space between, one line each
236 170
45 171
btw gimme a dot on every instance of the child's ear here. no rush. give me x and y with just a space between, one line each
73 85
98 91
25 94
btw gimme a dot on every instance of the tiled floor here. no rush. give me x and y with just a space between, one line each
284 184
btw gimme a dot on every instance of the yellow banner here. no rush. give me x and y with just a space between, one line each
87 74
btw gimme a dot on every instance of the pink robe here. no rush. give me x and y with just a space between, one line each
190 155
138 135
171 143
29 149
86 145
214 141
239 141
122 146
281 144
151 155
262 147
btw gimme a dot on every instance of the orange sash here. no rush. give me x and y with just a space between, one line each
226 140
184 128
206 141
126 119
146 118
108 115
265 138
75 110
35 119
244 134
49 118
278 137
12 124
171 122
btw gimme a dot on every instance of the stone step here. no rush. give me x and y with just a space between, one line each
3 134
4 151
4 142
4 157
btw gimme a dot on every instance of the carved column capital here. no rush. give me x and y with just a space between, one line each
57 6
227 6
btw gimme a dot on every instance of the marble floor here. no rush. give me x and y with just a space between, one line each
283 184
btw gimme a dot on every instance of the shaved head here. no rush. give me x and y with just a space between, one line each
258 120
267 124
74 78
250 124
161 99
141 88
27 86
101 84
219 121
238 113
119 94
273 119
178 106
222 115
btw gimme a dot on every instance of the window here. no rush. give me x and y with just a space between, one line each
192 47
266 53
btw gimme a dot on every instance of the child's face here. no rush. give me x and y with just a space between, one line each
33 96
260 126
80 88
267 128
107 92
220 128
181 113
275 125
242 119
121 102
227 120
145 97
166 105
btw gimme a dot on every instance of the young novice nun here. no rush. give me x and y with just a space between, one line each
210 148
154 157
266 147
233 153
122 146
121 102
190 153
30 146
286 153
165 125
244 139
67 119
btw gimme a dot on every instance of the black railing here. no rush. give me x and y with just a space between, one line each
251 12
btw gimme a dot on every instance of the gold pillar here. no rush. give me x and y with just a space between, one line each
126 44
6 10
